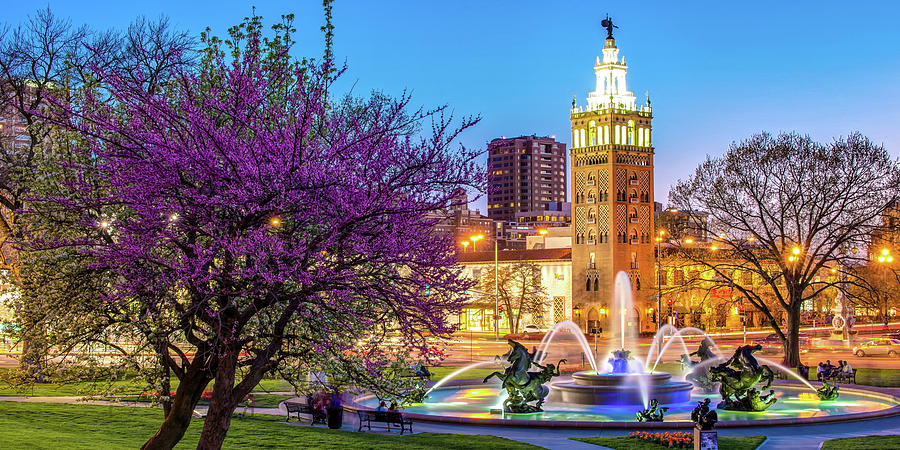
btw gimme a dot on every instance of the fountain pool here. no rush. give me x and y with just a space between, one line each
472 404
609 394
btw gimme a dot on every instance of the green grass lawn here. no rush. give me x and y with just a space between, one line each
44 425
125 388
863 443
628 443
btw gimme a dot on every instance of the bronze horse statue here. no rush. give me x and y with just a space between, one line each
521 385
739 376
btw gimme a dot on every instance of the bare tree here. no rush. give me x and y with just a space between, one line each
520 291
782 209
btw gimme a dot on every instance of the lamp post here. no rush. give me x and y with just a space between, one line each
658 284
543 232
884 259
475 239
497 291
465 245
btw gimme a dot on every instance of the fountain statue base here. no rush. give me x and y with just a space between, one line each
591 388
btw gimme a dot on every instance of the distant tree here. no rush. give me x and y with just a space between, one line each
520 292
44 58
239 221
770 196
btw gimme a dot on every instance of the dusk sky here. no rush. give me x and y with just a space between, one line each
716 71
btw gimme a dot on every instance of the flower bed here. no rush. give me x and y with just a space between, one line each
671 439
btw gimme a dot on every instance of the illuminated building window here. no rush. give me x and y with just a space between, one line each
630 132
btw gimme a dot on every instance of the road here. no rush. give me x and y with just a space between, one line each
467 348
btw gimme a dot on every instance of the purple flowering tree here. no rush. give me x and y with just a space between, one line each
248 222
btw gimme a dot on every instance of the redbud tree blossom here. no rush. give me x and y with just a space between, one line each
248 222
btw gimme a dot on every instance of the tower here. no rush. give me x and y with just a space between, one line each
612 195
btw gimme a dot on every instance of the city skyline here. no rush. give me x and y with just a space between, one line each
716 73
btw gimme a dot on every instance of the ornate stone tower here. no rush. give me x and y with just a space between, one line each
612 196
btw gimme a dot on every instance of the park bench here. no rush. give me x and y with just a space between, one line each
388 418
844 377
303 408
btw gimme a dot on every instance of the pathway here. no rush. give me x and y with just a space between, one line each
800 437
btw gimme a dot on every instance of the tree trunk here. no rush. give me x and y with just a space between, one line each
179 418
792 335
222 404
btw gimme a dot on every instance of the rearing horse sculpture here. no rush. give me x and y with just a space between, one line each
522 386
738 377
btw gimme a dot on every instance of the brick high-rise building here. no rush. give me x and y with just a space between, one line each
612 196
527 173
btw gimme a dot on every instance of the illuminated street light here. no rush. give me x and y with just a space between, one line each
465 245
542 232
475 239
713 248
104 224
795 250
688 240
275 221
885 258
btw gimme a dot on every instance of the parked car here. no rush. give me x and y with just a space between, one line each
533 329
875 347
773 340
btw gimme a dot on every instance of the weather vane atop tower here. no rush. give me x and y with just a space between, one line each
608 24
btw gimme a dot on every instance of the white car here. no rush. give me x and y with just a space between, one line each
533 329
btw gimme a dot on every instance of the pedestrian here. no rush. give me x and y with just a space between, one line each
381 406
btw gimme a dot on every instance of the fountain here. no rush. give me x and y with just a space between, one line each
608 394
624 383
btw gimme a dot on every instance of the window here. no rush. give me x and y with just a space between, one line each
630 132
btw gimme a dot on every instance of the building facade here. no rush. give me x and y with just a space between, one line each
527 173
556 273
612 195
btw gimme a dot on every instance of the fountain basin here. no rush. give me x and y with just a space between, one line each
591 388
462 403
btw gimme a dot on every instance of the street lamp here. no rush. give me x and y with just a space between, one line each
475 239
884 259
543 233
659 239
465 245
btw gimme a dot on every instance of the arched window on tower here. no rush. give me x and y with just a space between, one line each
588 286
596 284
630 132
592 130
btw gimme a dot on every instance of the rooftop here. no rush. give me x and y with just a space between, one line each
549 254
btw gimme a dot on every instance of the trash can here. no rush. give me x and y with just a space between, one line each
335 415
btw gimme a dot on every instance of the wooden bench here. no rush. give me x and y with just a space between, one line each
845 377
388 418
303 408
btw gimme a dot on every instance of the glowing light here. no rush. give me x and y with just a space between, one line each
885 251
750 238
713 248
275 221
477 237
688 241
795 250
104 224
542 232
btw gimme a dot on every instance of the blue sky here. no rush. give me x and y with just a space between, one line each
716 71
